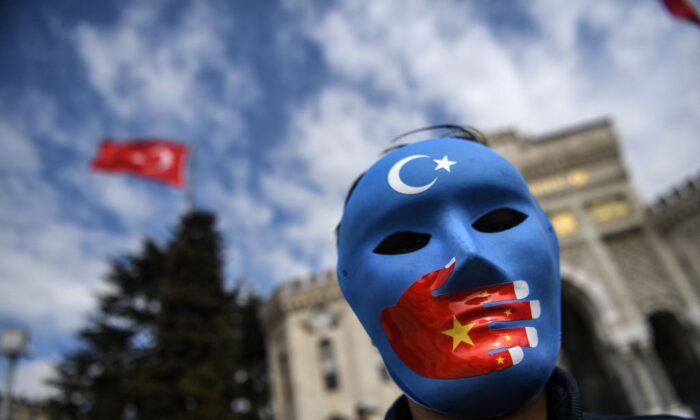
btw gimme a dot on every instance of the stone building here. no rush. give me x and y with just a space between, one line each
631 294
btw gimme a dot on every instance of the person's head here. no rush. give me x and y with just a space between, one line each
452 268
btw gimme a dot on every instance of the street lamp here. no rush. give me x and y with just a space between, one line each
13 344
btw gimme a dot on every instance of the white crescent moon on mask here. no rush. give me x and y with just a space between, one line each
398 185
162 159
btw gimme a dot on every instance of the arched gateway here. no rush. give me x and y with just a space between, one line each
587 352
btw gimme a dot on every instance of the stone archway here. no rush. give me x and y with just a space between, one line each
585 352
592 296
678 356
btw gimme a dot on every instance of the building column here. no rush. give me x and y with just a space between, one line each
610 275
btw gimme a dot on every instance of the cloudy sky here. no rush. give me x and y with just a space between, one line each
285 103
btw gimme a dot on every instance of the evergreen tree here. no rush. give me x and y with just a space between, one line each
168 341
191 373
96 380
250 376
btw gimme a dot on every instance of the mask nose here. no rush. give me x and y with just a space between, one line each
472 267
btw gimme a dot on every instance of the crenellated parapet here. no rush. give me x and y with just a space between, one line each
560 151
300 294
678 205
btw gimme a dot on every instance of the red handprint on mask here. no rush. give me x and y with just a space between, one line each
448 336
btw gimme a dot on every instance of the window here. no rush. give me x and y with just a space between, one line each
329 367
564 222
609 209
285 372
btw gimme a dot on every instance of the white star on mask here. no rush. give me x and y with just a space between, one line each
444 163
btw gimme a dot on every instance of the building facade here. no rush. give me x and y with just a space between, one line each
631 294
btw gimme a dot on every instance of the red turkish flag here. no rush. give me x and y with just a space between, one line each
682 9
448 336
156 159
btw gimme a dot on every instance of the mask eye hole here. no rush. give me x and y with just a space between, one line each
402 243
499 220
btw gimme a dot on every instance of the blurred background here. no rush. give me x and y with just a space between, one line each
283 104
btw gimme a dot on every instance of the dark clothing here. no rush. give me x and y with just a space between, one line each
563 403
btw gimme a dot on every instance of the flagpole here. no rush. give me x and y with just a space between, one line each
189 184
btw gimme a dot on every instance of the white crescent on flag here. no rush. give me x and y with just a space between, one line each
162 159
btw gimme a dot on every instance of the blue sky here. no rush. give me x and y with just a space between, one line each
285 103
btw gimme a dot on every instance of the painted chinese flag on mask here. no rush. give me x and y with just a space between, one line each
156 159
449 336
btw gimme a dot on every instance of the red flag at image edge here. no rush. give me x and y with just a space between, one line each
160 160
682 9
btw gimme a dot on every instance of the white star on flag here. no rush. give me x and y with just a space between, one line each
443 163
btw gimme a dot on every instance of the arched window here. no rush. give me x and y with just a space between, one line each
287 388
329 366
674 347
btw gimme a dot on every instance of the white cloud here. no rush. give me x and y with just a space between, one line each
419 54
332 139
179 77
134 201
39 114
283 227
18 152
50 273
31 377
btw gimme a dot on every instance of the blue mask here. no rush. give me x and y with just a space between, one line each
452 268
